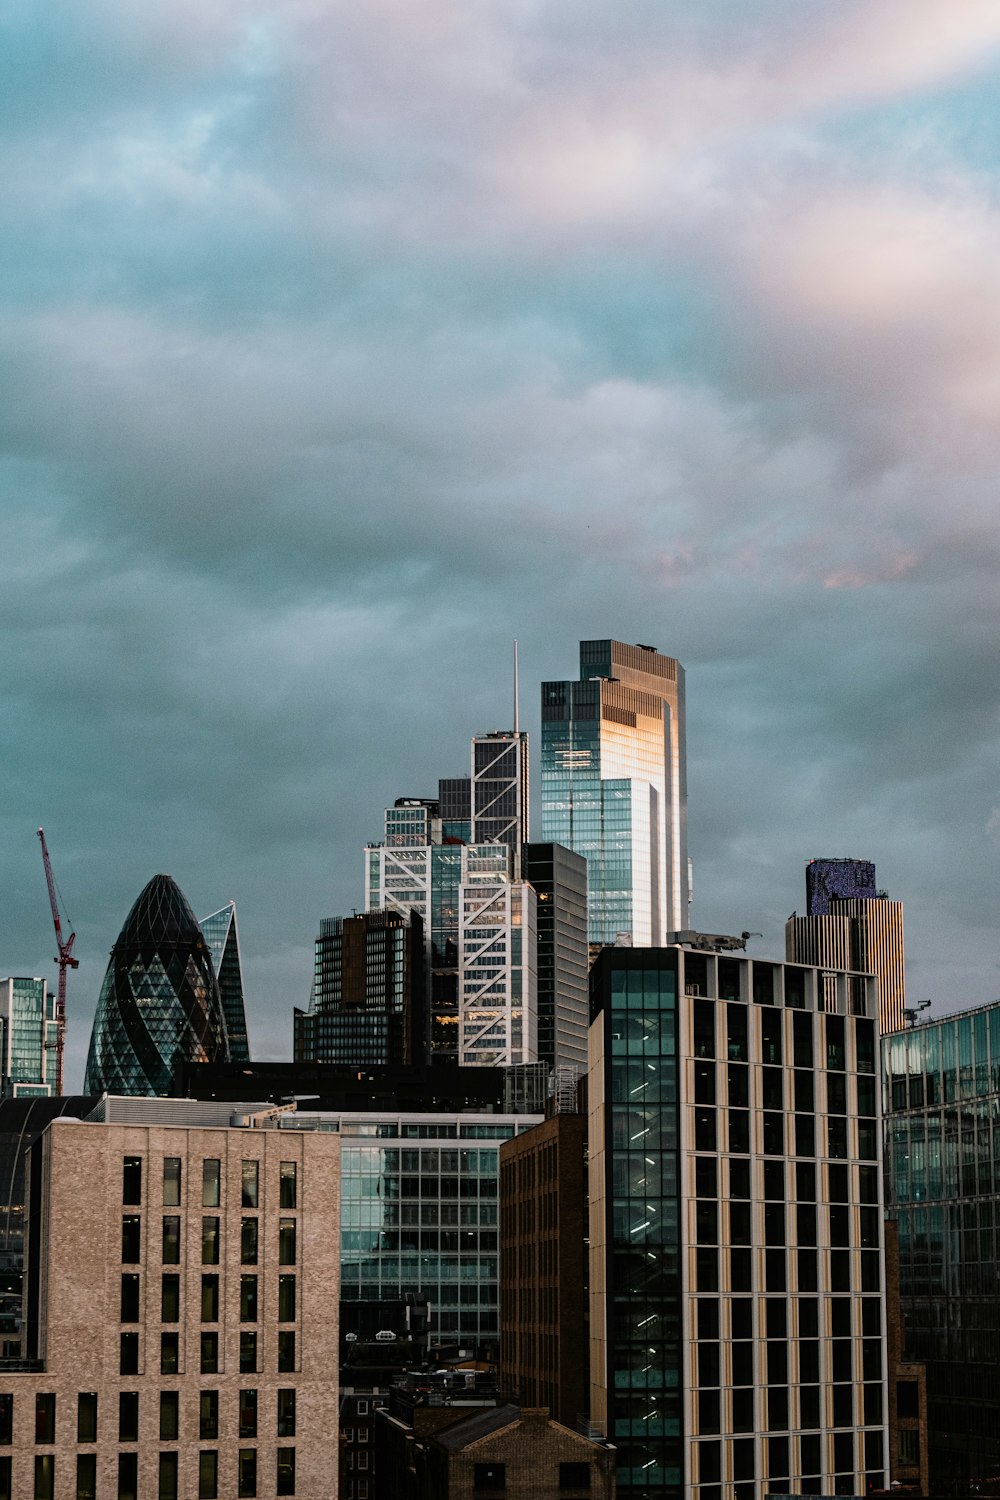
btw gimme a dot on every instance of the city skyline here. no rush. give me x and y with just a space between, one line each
339 352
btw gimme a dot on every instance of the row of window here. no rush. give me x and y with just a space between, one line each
801 1138
128 1416
170 1297
211 1228
167 1476
211 1182
128 1362
736 1046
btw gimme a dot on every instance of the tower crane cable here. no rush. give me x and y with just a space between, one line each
64 959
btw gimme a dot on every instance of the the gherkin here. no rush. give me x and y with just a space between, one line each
160 1000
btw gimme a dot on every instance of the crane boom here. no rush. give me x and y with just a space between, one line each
64 959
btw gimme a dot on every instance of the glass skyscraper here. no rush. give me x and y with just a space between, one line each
614 787
221 934
160 1000
27 1038
941 1083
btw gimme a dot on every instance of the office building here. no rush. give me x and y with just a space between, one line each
562 964
160 999
368 1004
222 936
27 1039
860 932
181 1315
942 1089
736 1272
499 788
476 1448
544 1336
614 787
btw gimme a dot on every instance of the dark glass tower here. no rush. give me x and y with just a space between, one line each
160 1001
221 933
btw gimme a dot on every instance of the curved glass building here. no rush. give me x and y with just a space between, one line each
160 1001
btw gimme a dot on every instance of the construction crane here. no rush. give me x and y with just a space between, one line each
64 959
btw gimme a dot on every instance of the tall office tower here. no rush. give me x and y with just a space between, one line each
160 999
450 886
368 1005
220 933
560 880
736 1270
852 926
181 1312
943 1172
499 788
27 1039
614 787
837 880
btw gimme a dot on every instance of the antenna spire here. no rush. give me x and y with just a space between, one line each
517 699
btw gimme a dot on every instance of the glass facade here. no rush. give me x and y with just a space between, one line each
221 935
559 878
160 1000
941 1086
27 1038
368 1005
419 1213
614 787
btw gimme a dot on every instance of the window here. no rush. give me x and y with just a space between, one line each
251 1183
248 1353
87 1416
208 1475
132 1180
248 1299
129 1310
247 1480
248 1241
6 1492
289 1189
210 1354
209 1241
208 1415
286 1350
86 1476
128 1416
574 1476
170 1298
286 1413
45 1466
6 1418
210 1297
45 1417
286 1242
169 1353
248 1414
285 1472
128 1476
171 1181
131 1238
210 1179
171 1240
169 1416
168 1477
907 1398
909 1445
128 1354
286 1299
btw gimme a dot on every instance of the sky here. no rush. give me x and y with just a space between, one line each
342 343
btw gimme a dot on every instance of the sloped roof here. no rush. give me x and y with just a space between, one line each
478 1424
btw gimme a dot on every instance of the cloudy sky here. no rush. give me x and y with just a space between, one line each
343 342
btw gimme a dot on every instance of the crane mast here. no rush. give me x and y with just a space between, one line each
64 959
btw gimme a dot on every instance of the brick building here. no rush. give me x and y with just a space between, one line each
544 1335
180 1300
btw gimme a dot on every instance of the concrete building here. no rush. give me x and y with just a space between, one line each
180 1314
614 787
736 1271
456 1453
942 1093
860 932
544 1336
27 1039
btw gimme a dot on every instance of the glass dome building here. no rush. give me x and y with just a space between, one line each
160 1001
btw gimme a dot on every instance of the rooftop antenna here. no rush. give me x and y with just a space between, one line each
517 715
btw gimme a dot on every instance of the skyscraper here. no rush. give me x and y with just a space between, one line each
500 788
368 1004
27 1039
851 925
559 878
160 1000
221 934
614 787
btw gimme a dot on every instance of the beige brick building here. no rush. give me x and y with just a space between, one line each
181 1316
